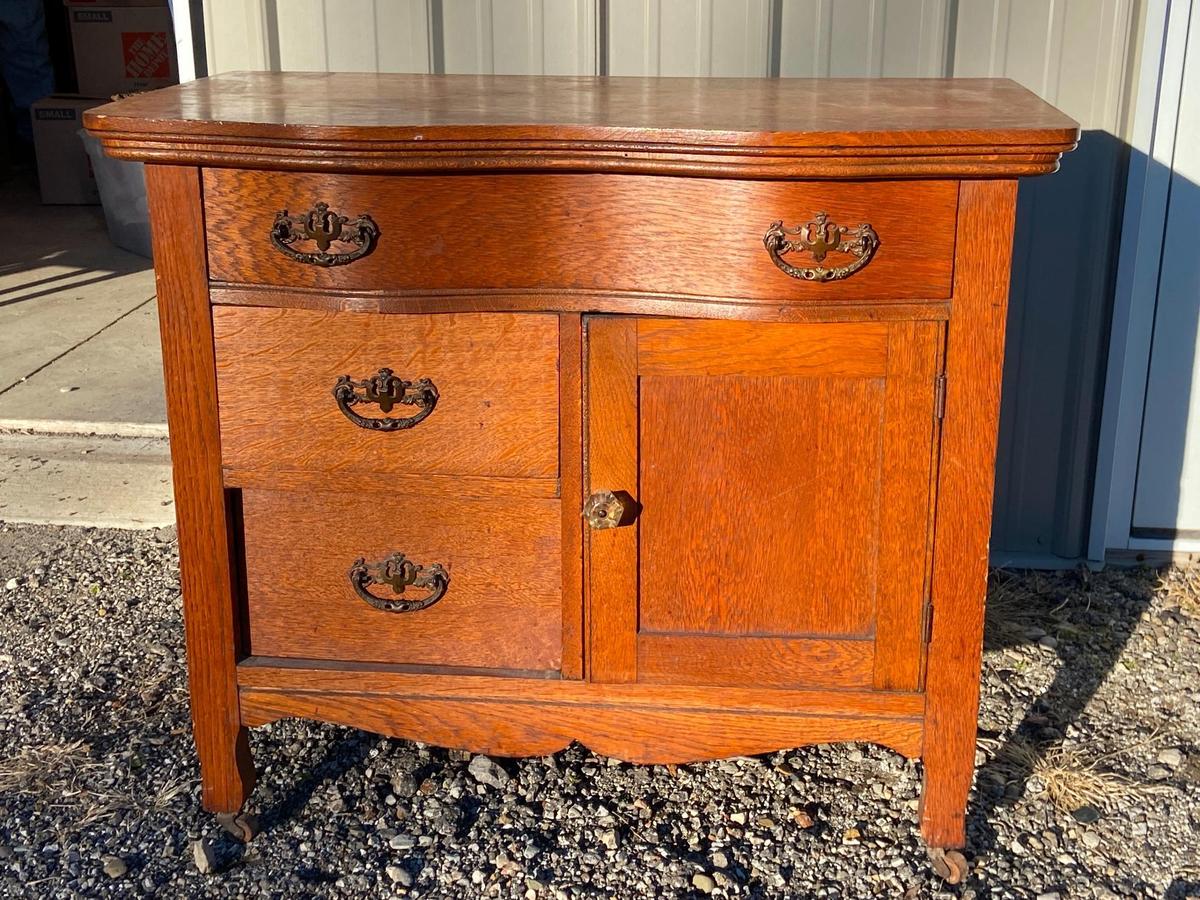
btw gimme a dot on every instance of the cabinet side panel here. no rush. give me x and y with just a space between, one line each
210 601
975 354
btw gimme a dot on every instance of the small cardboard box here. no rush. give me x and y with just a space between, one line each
64 170
122 46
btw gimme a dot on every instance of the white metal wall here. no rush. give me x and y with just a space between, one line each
1071 52
1074 53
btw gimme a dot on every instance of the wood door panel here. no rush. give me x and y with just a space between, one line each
760 502
783 473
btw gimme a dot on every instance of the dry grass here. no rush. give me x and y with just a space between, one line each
64 776
1017 601
1181 585
1072 777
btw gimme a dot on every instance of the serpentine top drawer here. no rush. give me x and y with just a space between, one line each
472 394
767 241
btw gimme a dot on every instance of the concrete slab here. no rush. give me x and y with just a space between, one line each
109 384
104 482
61 282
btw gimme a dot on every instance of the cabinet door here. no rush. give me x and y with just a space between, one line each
771 511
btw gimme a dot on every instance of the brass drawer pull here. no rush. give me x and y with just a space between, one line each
818 238
323 227
385 389
398 572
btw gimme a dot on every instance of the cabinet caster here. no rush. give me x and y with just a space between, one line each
241 826
950 865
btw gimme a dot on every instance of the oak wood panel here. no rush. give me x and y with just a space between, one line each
360 482
598 232
502 610
645 735
357 677
683 347
784 128
935 456
496 374
210 598
390 302
612 465
974 356
772 662
910 421
760 504
570 465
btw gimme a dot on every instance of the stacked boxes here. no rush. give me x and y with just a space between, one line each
121 47
64 171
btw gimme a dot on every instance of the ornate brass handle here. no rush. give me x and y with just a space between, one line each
604 509
385 389
398 572
818 238
323 227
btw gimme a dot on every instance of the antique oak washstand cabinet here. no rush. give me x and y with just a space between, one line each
657 414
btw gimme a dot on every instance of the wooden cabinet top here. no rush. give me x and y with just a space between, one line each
724 127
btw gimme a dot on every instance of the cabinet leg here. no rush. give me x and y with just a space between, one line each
227 773
944 801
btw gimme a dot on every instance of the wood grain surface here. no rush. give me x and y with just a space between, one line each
826 350
786 128
778 466
350 677
496 374
974 357
211 601
909 425
611 464
789 521
388 301
644 735
772 662
760 504
502 610
570 465
597 232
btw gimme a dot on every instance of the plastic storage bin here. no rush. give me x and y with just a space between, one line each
122 187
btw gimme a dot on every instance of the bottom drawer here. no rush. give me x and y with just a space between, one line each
495 589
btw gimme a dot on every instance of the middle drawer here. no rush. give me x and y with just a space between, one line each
472 394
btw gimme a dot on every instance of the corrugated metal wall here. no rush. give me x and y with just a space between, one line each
1074 53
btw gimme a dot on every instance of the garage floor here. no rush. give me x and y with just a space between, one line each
82 417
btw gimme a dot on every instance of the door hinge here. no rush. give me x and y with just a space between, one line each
927 623
939 396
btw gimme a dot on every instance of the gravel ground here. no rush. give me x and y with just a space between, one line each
1089 779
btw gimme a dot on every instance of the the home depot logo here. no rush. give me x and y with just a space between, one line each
146 54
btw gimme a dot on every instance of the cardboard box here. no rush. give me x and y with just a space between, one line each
64 170
122 46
